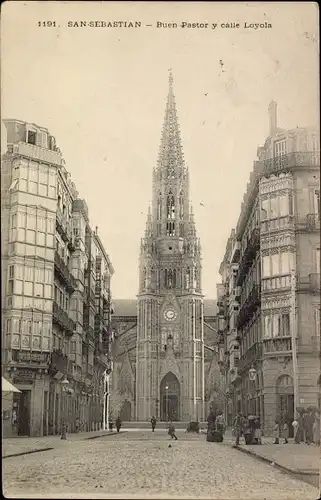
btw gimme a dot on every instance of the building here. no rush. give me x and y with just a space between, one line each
165 340
271 282
56 301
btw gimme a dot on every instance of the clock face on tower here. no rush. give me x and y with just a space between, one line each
170 314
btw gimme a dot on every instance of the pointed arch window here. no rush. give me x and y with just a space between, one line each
144 278
170 278
170 206
170 171
170 229
159 206
181 204
187 278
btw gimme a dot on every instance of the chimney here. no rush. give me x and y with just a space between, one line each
273 117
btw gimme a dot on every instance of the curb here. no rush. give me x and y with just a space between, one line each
26 452
279 466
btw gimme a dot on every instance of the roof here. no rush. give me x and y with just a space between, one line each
128 307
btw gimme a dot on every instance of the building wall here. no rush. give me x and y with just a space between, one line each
43 265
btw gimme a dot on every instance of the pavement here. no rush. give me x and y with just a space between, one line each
26 445
142 464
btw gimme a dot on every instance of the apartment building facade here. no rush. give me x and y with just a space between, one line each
49 255
271 272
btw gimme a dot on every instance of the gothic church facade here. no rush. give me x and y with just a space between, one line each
165 355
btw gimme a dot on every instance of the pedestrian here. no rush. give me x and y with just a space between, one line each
257 431
171 431
238 427
295 425
316 429
220 423
308 426
276 432
110 424
153 422
118 423
285 432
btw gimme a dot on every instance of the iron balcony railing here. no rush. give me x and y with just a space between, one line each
253 354
61 318
253 245
63 226
58 362
277 345
64 274
250 305
288 161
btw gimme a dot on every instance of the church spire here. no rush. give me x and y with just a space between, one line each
170 157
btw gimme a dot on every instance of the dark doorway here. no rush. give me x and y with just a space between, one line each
126 411
45 413
169 398
23 412
285 401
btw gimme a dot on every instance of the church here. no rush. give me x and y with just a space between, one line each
165 347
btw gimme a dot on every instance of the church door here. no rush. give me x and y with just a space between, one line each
169 398
126 411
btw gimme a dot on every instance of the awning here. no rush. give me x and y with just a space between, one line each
6 386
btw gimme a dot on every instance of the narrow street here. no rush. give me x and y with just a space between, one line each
141 464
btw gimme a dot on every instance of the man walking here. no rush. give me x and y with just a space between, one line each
171 431
153 422
238 427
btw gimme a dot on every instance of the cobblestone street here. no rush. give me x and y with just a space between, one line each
142 464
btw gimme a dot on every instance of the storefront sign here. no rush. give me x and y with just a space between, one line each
24 376
37 357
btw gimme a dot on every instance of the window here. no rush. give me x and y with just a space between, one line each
10 287
275 264
267 326
285 262
170 172
284 205
188 278
280 148
274 207
170 229
28 288
8 326
31 137
11 272
170 206
14 221
316 202
181 205
159 206
317 322
317 253
266 271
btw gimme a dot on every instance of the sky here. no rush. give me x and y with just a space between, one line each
102 93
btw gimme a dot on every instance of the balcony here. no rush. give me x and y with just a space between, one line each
61 318
90 295
58 364
63 226
64 274
287 162
277 346
254 353
253 245
310 284
38 153
274 225
236 250
249 307
276 283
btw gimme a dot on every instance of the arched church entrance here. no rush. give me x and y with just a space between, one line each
169 398
126 411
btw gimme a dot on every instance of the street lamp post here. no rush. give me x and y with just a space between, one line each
64 385
166 389
252 376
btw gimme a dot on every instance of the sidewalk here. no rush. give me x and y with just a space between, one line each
23 445
295 458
